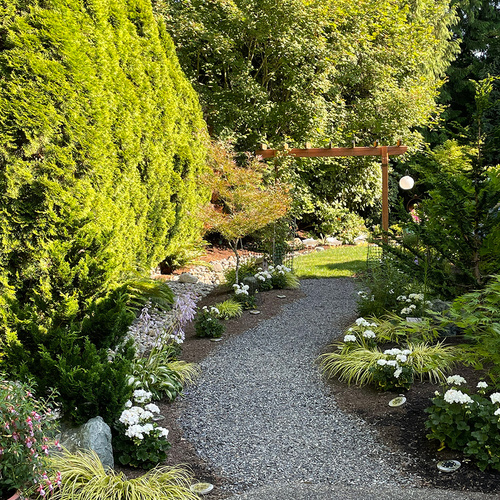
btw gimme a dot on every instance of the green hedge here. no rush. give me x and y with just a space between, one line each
101 144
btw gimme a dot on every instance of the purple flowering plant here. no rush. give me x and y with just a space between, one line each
25 426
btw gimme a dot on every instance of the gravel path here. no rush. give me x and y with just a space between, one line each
261 413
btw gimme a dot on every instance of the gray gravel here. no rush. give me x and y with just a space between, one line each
261 413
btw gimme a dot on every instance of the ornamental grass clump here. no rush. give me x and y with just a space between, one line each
83 477
230 308
26 426
467 422
139 440
359 358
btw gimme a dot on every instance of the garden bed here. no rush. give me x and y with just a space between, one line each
401 429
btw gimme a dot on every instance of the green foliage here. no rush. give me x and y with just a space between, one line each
207 323
296 70
142 291
334 220
457 245
282 277
246 270
102 144
467 423
383 283
84 477
477 314
153 374
229 309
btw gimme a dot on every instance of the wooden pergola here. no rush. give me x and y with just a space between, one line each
383 151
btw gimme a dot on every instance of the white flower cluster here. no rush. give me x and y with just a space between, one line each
364 322
414 300
279 269
369 334
240 289
138 420
482 385
212 311
263 275
402 357
350 338
495 398
365 296
455 396
456 380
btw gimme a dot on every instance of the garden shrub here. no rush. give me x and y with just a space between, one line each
247 270
338 221
467 423
101 145
207 323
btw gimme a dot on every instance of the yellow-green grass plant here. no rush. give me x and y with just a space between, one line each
83 477
292 281
230 308
187 372
393 328
339 262
355 365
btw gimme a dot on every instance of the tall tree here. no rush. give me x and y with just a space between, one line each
478 30
296 70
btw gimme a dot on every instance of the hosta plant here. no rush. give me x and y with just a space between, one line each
139 440
83 477
466 422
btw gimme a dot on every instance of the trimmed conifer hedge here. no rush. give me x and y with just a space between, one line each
102 143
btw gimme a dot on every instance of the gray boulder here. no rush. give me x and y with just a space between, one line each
94 435
253 284
187 278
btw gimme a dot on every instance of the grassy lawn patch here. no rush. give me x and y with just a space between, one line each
338 262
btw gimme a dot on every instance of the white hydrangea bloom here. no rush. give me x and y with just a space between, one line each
128 404
350 338
152 408
369 334
392 362
381 362
401 358
163 432
392 352
482 384
497 412
495 397
456 380
455 396
142 396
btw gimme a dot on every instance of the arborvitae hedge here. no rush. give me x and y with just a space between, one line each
101 144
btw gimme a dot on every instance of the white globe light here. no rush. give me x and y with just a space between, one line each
406 182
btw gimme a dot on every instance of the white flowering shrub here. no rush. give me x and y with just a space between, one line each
413 304
469 423
394 370
207 323
243 296
361 333
264 279
139 441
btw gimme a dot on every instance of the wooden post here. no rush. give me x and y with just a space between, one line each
385 192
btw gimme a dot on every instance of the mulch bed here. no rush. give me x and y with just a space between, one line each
401 429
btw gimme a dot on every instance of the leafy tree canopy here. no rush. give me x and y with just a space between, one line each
296 70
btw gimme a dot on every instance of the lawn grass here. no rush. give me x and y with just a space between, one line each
338 262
